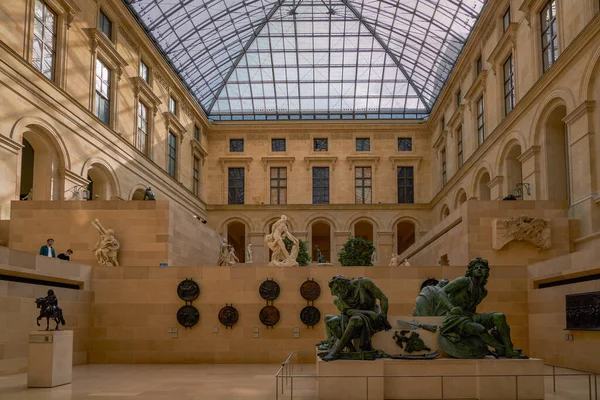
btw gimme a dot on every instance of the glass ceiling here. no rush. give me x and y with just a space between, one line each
311 59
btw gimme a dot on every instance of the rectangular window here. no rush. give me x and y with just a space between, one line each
479 65
196 176
142 128
102 92
105 25
444 176
363 185
236 145
172 106
363 144
279 185
480 121
459 146
404 144
320 144
44 39
549 34
458 98
172 167
196 133
443 123
277 144
406 185
509 86
144 72
506 20
235 192
320 185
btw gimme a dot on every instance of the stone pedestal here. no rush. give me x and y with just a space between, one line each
50 361
450 378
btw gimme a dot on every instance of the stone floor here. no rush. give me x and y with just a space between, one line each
214 382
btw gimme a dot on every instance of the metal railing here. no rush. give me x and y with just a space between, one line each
284 380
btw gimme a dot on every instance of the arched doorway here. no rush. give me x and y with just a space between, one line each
484 190
40 163
405 236
461 198
445 212
514 174
138 194
364 230
102 185
321 236
236 236
557 172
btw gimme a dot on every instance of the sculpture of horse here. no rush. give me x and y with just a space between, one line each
49 312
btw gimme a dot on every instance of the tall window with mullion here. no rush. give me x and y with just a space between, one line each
363 181
235 187
406 185
320 185
279 185
102 92
44 39
444 170
172 167
196 177
480 121
509 85
144 71
143 128
459 146
105 25
549 34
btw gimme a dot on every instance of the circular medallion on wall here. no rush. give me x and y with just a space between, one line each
310 316
429 282
228 316
188 316
269 290
188 290
269 315
310 290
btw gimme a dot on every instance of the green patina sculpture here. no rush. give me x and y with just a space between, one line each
465 333
413 342
320 258
360 318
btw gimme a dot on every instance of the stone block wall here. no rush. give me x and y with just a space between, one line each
150 232
18 311
134 308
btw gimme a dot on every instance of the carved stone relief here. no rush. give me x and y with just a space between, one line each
524 228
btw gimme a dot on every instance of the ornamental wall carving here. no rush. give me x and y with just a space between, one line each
524 228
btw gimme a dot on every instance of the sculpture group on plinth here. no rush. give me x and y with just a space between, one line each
360 318
464 332
227 256
274 240
50 310
106 247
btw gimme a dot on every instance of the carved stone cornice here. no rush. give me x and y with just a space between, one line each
352 160
277 159
99 43
527 154
477 87
498 179
399 160
579 111
141 88
441 140
531 7
456 118
172 123
505 45
10 145
309 160
198 149
239 160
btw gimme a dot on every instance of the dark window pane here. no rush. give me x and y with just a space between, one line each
196 176
404 144
479 65
144 72
320 185
549 34
235 193
459 146
172 167
105 25
196 133
278 185
405 185
363 144
509 86
362 185
44 39
236 145
142 128
277 144
506 20
320 144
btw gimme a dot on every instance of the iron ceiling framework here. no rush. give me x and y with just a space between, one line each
311 59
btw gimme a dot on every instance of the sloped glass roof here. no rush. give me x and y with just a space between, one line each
311 59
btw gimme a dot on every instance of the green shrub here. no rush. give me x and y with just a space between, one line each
303 257
356 252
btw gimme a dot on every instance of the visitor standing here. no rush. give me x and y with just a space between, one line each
48 250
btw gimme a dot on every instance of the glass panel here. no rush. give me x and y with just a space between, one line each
236 145
277 144
235 192
172 162
320 144
404 144
44 39
320 185
363 144
105 25
405 185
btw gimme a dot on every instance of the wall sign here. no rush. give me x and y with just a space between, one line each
583 311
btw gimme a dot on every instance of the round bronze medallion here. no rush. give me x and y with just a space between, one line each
269 315
228 316
429 282
310 316
310 290
269 290
188 316
188 290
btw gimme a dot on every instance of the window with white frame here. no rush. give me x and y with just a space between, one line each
144 72
172 105
44 39
143 128
549 34
105 25
102 101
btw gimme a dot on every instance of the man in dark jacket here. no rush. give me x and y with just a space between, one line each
66 257
48 250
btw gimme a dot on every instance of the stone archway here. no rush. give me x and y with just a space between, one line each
513 170
321 236
405 236
556 155
365 230
138 194
482 187
102 184
236 236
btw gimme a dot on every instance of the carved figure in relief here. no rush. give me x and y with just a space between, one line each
249 254
374 257
281 257
405 263
106 247
523 228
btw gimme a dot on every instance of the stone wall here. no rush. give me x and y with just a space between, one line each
18 311
150 232
134 308
547 311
